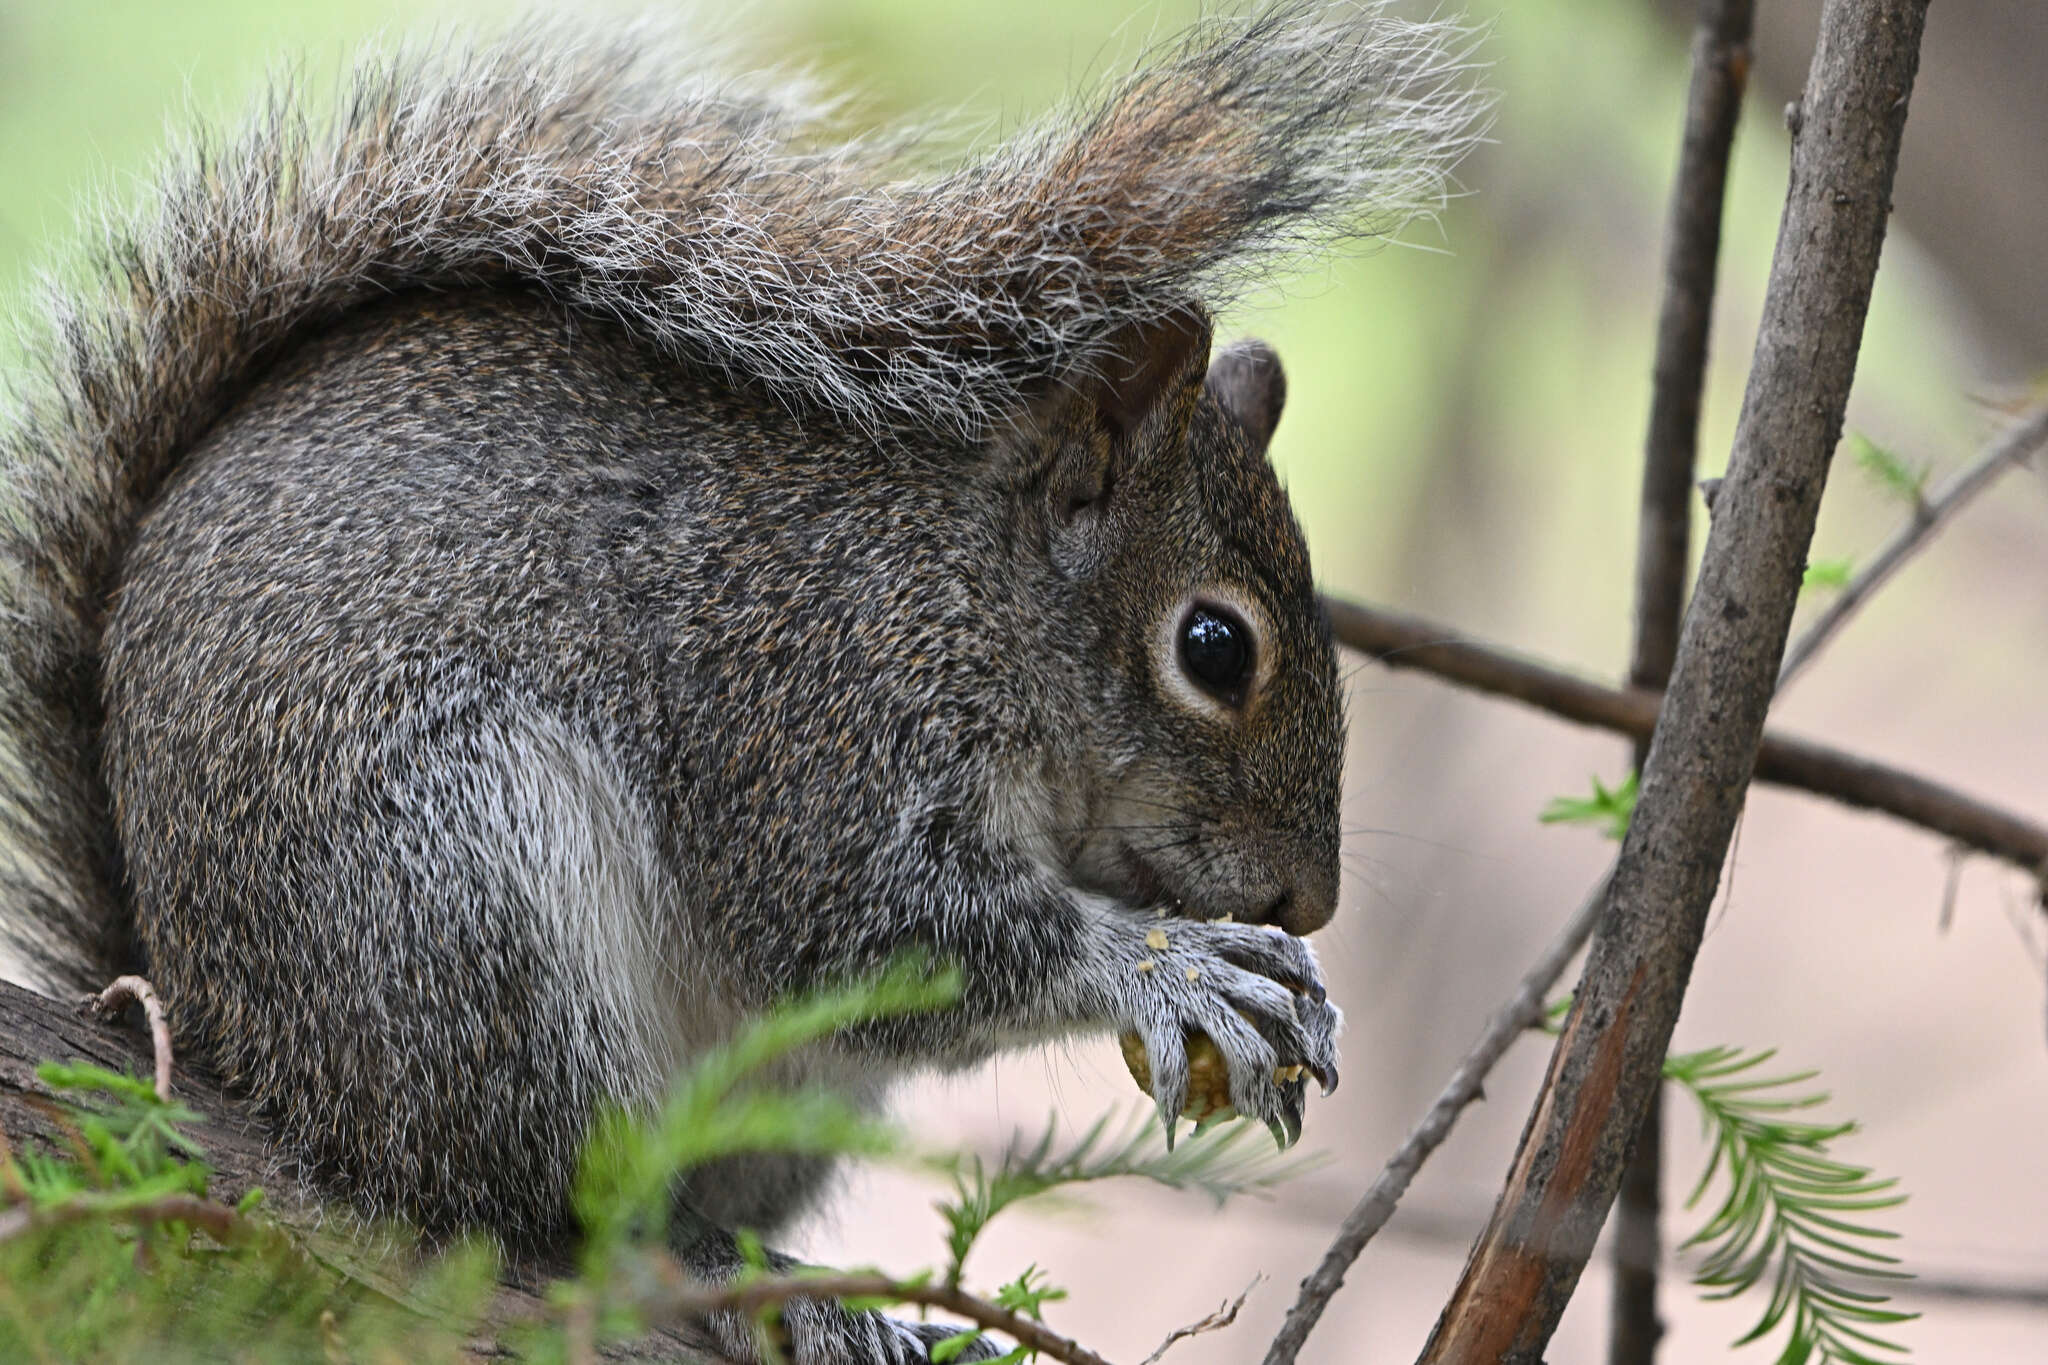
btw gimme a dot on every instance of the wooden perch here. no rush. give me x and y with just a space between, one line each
34 1029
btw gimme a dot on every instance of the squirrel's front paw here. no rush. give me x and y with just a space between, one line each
1255 994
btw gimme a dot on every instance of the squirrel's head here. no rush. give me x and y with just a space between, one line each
1209 771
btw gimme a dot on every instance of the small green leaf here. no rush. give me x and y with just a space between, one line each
943 1351
1888 470
1022 1296
1827 574
1210 1161
1608 809
753 1256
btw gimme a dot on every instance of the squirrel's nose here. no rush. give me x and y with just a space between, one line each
1307 903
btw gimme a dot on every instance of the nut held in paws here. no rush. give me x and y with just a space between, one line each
1208 1075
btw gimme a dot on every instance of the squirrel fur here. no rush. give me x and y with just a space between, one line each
509 575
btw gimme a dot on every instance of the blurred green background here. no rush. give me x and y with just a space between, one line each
1472 403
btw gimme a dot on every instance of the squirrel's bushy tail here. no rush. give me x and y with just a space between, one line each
719 222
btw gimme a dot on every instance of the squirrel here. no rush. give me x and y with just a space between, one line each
508 577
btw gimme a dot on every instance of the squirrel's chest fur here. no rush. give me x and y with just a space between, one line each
515 664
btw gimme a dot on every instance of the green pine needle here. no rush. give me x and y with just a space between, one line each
1608 809
1792 1213
627 1172
100 1282
1889 471
1214 1161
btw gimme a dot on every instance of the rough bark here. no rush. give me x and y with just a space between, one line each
1692 250
1846 135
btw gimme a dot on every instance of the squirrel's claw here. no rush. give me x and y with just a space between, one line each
1167 1056
1287 1128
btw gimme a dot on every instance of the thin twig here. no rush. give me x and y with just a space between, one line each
1720 73
2019 443
689 1300
1214 1322
220 1222
108 1003
1441 1227
1403 641
1522 1012
1609 1057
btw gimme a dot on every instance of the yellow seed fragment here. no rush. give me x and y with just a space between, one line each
1147 965
1156 940
1194 973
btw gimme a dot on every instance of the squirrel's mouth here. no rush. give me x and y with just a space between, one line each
1114 869
1119 873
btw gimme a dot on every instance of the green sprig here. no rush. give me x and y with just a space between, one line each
1790 1212
1890 471
1608 809
1831 575
1215 1162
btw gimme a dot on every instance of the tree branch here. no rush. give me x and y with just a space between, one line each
1720 71
2019 443
1403 641
1705 748
1400 640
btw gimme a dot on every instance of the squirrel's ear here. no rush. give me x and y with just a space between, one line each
1146 365
1248 383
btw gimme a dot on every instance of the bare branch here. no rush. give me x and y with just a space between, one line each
1214 1322
1705 749
1523 1011
1403 641
107 1004
1720 72
221 1223
2019 443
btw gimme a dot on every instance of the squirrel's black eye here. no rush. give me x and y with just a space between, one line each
1216 651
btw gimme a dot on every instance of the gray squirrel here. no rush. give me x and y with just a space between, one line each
508 577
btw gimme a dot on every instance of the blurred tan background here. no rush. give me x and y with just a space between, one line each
1462 440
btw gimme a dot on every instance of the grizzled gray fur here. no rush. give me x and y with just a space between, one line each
506 579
